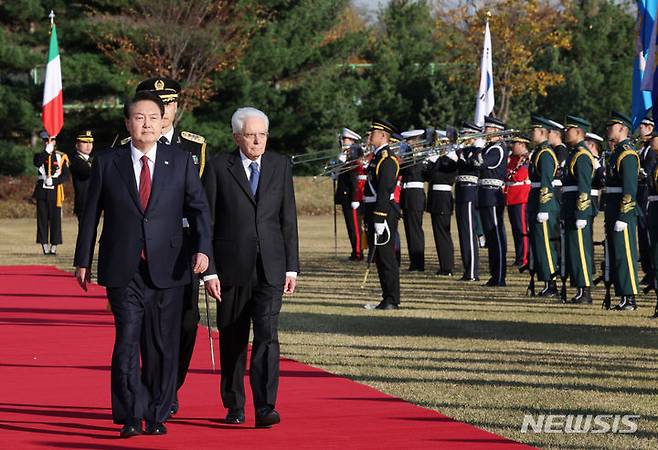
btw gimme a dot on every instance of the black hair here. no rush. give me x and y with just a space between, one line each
143 96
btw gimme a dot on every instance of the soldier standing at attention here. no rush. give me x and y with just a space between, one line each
577 209
621 211
169 90
81 169
346 183
53 170
543 206
647 161
652 216
381 212
412 202
491 200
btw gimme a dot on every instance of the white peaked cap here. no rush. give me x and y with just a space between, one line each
349 134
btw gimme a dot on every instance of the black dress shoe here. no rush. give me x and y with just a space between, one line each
267 419
494 283
156 429
550 290
444 273
131 429
234 416
467 278
387 306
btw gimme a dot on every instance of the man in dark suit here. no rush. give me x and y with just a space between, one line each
81 169
252 203
144 190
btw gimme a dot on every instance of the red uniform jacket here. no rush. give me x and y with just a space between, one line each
517 183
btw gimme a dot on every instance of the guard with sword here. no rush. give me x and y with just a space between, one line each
382 213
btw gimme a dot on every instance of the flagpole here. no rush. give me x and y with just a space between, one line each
51 16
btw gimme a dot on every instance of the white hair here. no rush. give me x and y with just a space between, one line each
241 114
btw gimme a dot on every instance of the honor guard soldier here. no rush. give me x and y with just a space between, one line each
441 173
577 209
594 143
412 202
53 170
346 183
647 161
491 200
81 169
517 189
543 206
621 210
652 216
466 194
559 147
382 214
168 90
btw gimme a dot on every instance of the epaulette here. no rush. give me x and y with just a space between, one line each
581 150
627 146
192 137
384 154
124 141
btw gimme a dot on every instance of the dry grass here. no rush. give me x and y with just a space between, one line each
481 355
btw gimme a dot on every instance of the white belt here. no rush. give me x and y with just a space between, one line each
614 190
491 182
442 187
186 224
653 198
373 198
569 188
413 185
517 183
466 179
557 182
362 177
595 192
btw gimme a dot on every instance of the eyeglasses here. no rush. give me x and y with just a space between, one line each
253 136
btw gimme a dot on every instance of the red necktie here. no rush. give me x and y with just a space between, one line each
144 191
144 183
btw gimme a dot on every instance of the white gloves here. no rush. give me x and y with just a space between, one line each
355 205
620 226
479 143
452 155
50 146
380 228
581 223
342 157
542 217
433 158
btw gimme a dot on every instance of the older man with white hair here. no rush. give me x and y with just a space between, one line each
252 204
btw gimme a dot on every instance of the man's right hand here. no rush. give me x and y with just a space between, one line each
355 205
542 217
83 275
213 289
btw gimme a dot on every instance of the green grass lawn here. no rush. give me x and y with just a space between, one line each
485 356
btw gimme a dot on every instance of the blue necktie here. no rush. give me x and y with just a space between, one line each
254 177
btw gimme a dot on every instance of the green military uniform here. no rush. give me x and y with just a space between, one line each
577 206
542 199
620 207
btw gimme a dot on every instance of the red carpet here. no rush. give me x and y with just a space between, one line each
55 349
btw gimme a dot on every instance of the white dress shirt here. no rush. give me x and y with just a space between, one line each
84 156
169 135
136 156
246 162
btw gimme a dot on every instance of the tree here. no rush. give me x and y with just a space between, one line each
188 41
522 31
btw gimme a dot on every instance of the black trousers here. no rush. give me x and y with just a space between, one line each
468 239
443 241
258 303
189 326
388 267
644 245
353 227
147 324
49 219
413 230
494 232
518 218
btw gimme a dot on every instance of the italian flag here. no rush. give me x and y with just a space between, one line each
53 102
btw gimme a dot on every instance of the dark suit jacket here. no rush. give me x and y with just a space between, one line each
80 172
244 225
176 192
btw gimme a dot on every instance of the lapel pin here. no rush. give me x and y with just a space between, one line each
166 163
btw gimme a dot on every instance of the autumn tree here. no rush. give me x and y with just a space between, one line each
188 41
521 32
